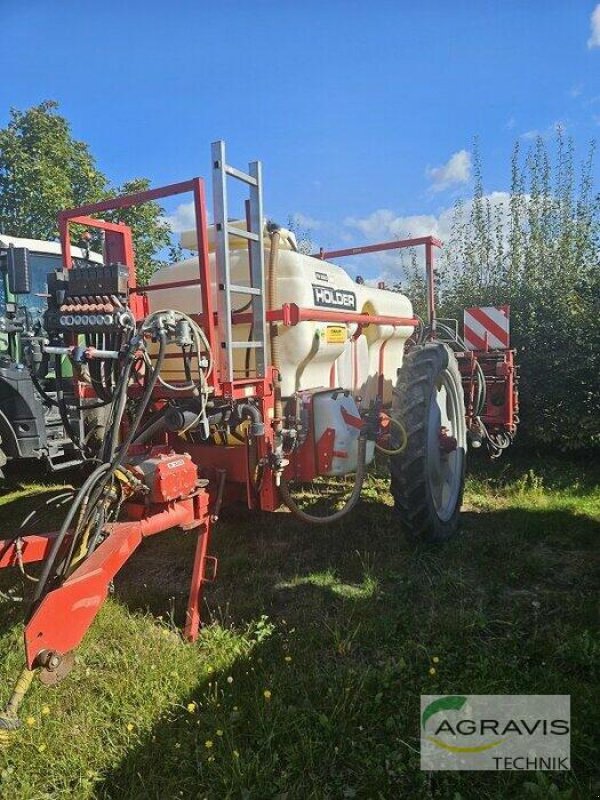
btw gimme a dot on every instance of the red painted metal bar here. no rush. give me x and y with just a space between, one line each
81 215
118 242
80 597
34 547
194 608
291 314
128 200
398 244
428 241
430 275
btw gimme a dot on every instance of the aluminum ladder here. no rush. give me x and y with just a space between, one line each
221 171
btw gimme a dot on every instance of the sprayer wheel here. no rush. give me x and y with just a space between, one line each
428 476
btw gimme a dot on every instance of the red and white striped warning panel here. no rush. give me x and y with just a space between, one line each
487 328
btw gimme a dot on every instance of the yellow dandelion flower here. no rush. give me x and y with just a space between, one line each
288 659
45 710
236 754
177 745
432 670
191 707
267 694
130 726
210 670
219 732
235 708
41 748
436 660
30 721
229 679
208 744
211 758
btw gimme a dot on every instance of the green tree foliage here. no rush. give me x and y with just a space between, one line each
44 170
537 248
150 231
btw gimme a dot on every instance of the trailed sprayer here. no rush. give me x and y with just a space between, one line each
238 375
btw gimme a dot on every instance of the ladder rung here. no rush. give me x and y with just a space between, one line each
244 345
232 231
234 289
242 176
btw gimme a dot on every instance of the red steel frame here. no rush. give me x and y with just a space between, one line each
429 242
501 410
83 592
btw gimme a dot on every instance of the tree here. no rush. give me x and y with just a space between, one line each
151 232
537 248
44 170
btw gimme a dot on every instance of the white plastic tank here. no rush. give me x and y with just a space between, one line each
312 354
337 412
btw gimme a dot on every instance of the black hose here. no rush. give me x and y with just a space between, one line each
53 402
50 561
146 397
117 412
92 489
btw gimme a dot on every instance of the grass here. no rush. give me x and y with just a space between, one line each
306 681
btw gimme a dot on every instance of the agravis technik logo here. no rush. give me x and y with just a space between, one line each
495 732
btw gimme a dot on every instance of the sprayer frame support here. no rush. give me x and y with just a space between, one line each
65 613
82 594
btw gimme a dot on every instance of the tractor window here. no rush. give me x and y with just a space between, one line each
41 265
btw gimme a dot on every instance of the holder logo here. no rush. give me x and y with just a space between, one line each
328 297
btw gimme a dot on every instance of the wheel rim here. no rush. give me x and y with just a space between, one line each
445 465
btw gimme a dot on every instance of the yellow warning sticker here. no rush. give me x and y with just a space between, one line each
335 334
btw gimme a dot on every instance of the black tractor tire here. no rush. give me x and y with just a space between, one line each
428 476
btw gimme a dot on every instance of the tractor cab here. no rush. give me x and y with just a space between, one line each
30 425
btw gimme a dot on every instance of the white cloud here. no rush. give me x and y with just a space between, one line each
594 40
306 222
558 126
385 225
182 219
456 170
577 90
510 123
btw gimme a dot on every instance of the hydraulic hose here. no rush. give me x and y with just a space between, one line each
96 475
146 397
117 411
311 519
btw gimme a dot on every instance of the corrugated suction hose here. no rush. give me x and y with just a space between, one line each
274 304
311 519
362 442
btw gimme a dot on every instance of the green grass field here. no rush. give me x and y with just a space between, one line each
306 681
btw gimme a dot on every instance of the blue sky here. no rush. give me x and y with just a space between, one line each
362 113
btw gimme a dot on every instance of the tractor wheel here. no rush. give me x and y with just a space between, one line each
3 459
428 475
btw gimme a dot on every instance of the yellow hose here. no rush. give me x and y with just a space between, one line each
273 302
9 721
